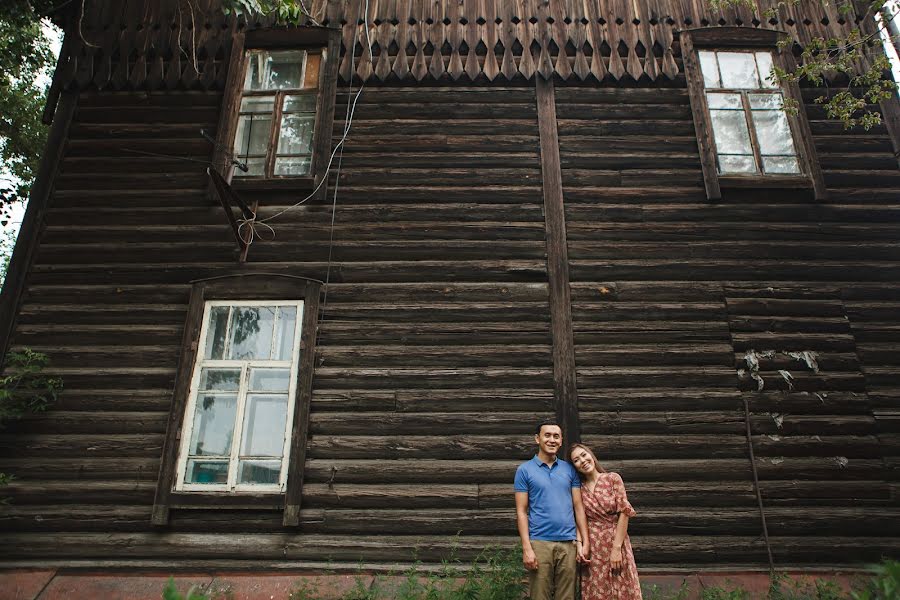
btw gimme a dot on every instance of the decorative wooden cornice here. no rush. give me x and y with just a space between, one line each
185 43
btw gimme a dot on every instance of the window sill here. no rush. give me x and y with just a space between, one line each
292 184
227 500
765 181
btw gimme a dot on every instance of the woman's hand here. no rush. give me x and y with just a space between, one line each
615 558
584 552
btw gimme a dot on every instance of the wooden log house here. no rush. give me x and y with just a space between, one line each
537 210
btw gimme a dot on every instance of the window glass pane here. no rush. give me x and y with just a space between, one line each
724 101
780 164
284 341
313 61
259 471
258 104
738 70
737 164
279 70
270 380
215 333
296 134
228 380
300 103
251 332
764 65
730 132
264 425
256 167
773 132
253 132
292 165
206 472
710 69
766 101
213 427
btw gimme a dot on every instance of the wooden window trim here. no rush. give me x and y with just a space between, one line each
296 38
749 39
244 287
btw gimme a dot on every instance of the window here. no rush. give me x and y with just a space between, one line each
277 115
236 434
746 137
278 108
746 108
238 422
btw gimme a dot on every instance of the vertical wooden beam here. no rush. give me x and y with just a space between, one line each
300 428
190 340
890 114
32 224
565 391
228 113
700 111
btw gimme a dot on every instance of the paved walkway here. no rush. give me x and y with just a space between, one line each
78 585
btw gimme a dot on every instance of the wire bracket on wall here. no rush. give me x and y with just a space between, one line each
228 198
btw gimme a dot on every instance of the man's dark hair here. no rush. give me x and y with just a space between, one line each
537 430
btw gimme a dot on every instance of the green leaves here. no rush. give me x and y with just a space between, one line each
285 11
857 59
25 58
24 388
170 592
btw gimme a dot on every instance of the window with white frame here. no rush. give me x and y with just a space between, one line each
237 423
746 108
277 119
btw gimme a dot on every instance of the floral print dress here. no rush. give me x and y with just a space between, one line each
602 506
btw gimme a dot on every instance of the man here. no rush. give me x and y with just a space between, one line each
548 507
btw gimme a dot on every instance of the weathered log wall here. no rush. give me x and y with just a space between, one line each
434 353
671 293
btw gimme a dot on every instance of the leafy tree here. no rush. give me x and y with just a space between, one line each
25 55
856 60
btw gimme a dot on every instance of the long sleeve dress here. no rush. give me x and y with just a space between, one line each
602 507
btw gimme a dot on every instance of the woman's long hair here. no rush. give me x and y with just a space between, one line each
572 449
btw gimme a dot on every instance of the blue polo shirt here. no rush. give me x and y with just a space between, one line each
551 517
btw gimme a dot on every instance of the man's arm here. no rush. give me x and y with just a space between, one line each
528 556
584 548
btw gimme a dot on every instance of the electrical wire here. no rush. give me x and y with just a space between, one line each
351 110
348 118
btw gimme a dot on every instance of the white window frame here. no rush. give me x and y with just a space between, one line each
188 422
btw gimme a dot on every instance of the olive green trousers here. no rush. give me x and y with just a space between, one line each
556 572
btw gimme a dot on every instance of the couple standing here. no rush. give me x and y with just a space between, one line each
569 514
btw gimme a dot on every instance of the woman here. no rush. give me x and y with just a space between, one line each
611 573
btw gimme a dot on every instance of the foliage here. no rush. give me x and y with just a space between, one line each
7 243
495 575
24 387
170 592
25 56
284 11
857 59
885 585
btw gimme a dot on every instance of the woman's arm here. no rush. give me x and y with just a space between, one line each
626 511
583 546
615 556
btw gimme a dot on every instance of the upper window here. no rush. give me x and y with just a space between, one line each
746 137
277 119
236 431
746 108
